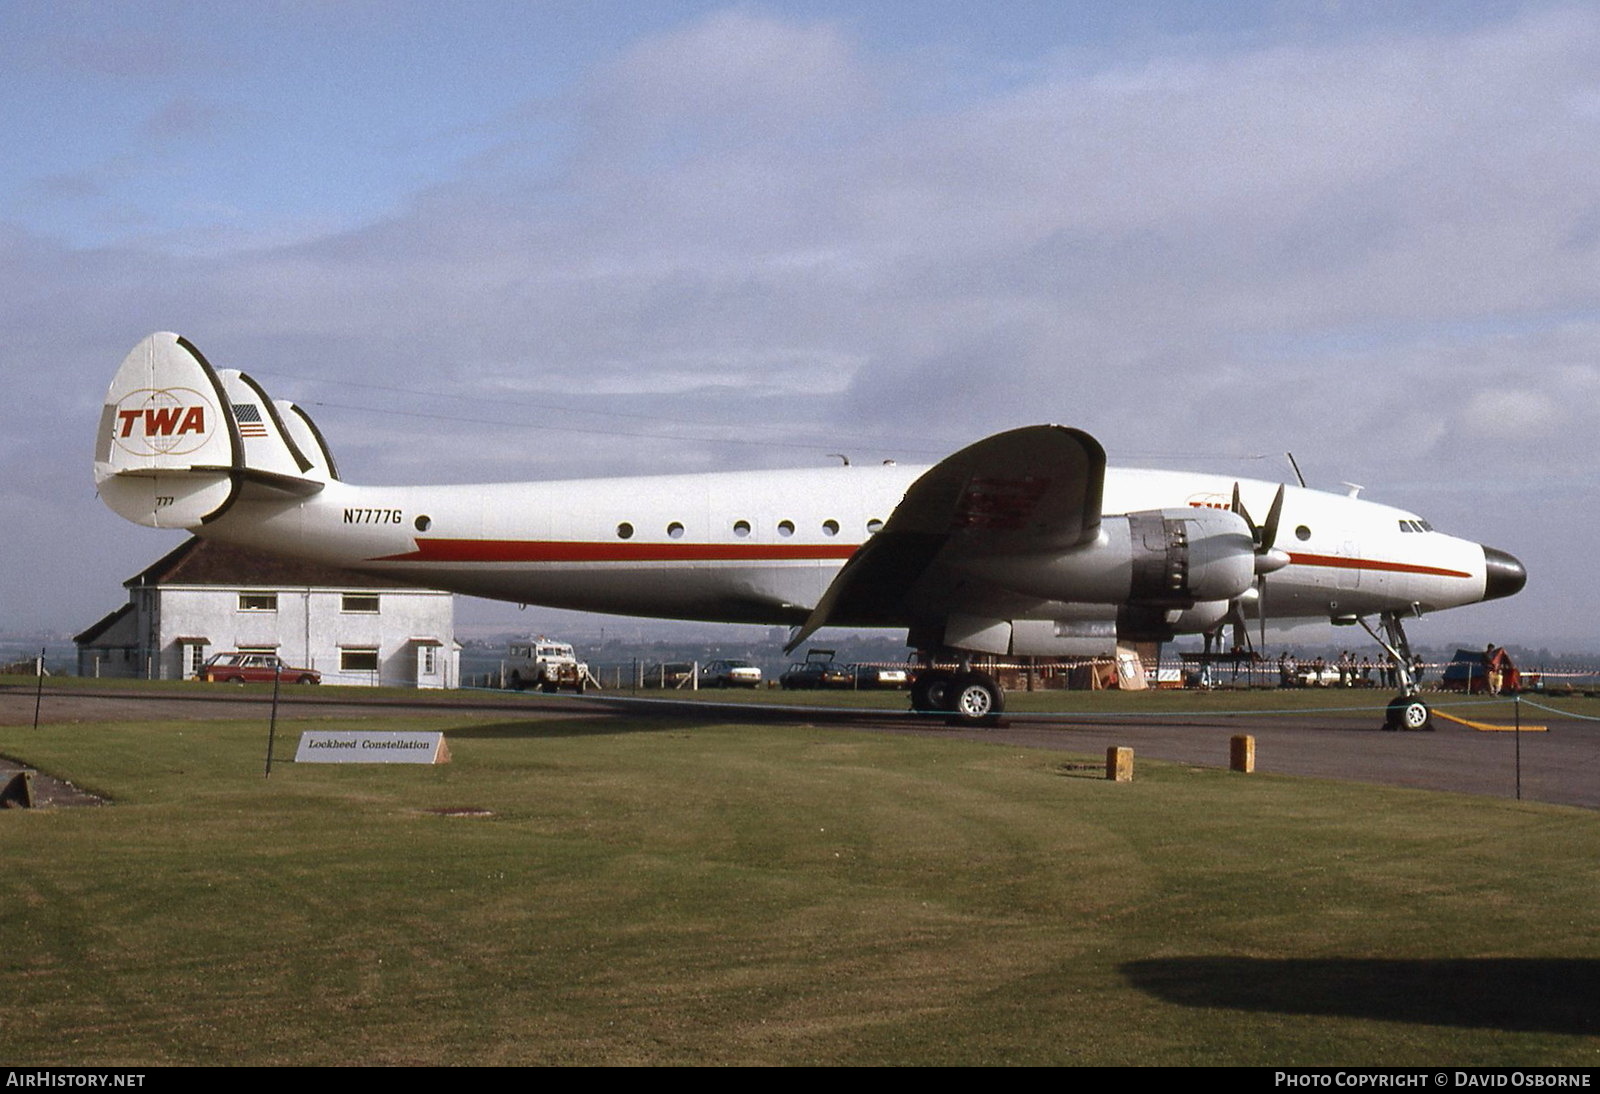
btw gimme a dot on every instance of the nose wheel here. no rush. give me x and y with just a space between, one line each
1408 712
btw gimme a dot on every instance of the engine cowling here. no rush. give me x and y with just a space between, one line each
1159 558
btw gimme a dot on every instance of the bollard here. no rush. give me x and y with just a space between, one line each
1119 764
1242 753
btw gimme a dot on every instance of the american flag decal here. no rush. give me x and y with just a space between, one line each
248 415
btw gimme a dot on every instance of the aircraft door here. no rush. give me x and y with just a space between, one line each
1350 569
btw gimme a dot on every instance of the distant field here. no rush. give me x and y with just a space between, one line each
665 892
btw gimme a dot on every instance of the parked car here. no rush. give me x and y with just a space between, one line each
252 668
804 675
877 676
730 673
546 664
668 674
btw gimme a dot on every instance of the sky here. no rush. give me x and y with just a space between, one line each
508 241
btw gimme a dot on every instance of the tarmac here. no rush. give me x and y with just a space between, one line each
1560 766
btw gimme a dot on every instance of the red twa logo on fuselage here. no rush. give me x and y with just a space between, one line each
169 421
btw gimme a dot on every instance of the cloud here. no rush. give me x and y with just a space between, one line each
1377 251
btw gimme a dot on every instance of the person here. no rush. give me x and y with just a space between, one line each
1285 670
1492 668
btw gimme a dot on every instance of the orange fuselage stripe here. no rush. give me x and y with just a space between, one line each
1338 562
517 550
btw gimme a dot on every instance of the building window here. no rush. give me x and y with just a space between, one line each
258 602
358 660
359 602
429 661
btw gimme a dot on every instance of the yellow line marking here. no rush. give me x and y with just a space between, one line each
1489 727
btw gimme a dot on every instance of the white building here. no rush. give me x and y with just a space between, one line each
205 598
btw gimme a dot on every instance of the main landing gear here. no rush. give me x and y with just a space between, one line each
967 696
1407 710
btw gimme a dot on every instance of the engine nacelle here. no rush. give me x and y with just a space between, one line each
1160 558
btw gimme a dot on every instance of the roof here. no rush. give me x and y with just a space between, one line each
102 627
199 561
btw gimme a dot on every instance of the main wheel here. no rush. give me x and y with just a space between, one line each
933 691
976 698
1408 712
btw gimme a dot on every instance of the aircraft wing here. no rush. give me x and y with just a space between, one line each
1029 491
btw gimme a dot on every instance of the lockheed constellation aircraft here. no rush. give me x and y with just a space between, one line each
1021 544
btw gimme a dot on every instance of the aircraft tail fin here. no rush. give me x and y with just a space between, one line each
180 441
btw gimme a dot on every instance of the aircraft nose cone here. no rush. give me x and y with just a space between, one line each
1503 574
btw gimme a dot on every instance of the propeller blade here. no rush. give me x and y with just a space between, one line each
1238 507
1261 607
1269 531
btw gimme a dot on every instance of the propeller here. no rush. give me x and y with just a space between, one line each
1269 558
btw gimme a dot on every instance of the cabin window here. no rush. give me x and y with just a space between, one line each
1302 533
366 603
830 527
874 526
624 530
675 530
741 528
424 523
357 660
258 602
786 527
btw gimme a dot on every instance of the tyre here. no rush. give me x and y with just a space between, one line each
1408 713
306 680
517 683
933 691
976 698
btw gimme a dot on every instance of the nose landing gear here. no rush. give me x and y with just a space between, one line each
1407 710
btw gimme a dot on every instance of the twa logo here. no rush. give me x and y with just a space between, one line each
1209 501
169 421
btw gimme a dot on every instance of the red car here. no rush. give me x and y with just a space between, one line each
253 668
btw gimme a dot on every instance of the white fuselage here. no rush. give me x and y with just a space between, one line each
763 546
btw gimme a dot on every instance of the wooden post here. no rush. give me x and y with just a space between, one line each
1119 764
1242 753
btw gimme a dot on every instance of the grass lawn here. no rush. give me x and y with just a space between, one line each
677 893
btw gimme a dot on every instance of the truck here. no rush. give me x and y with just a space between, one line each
545 664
